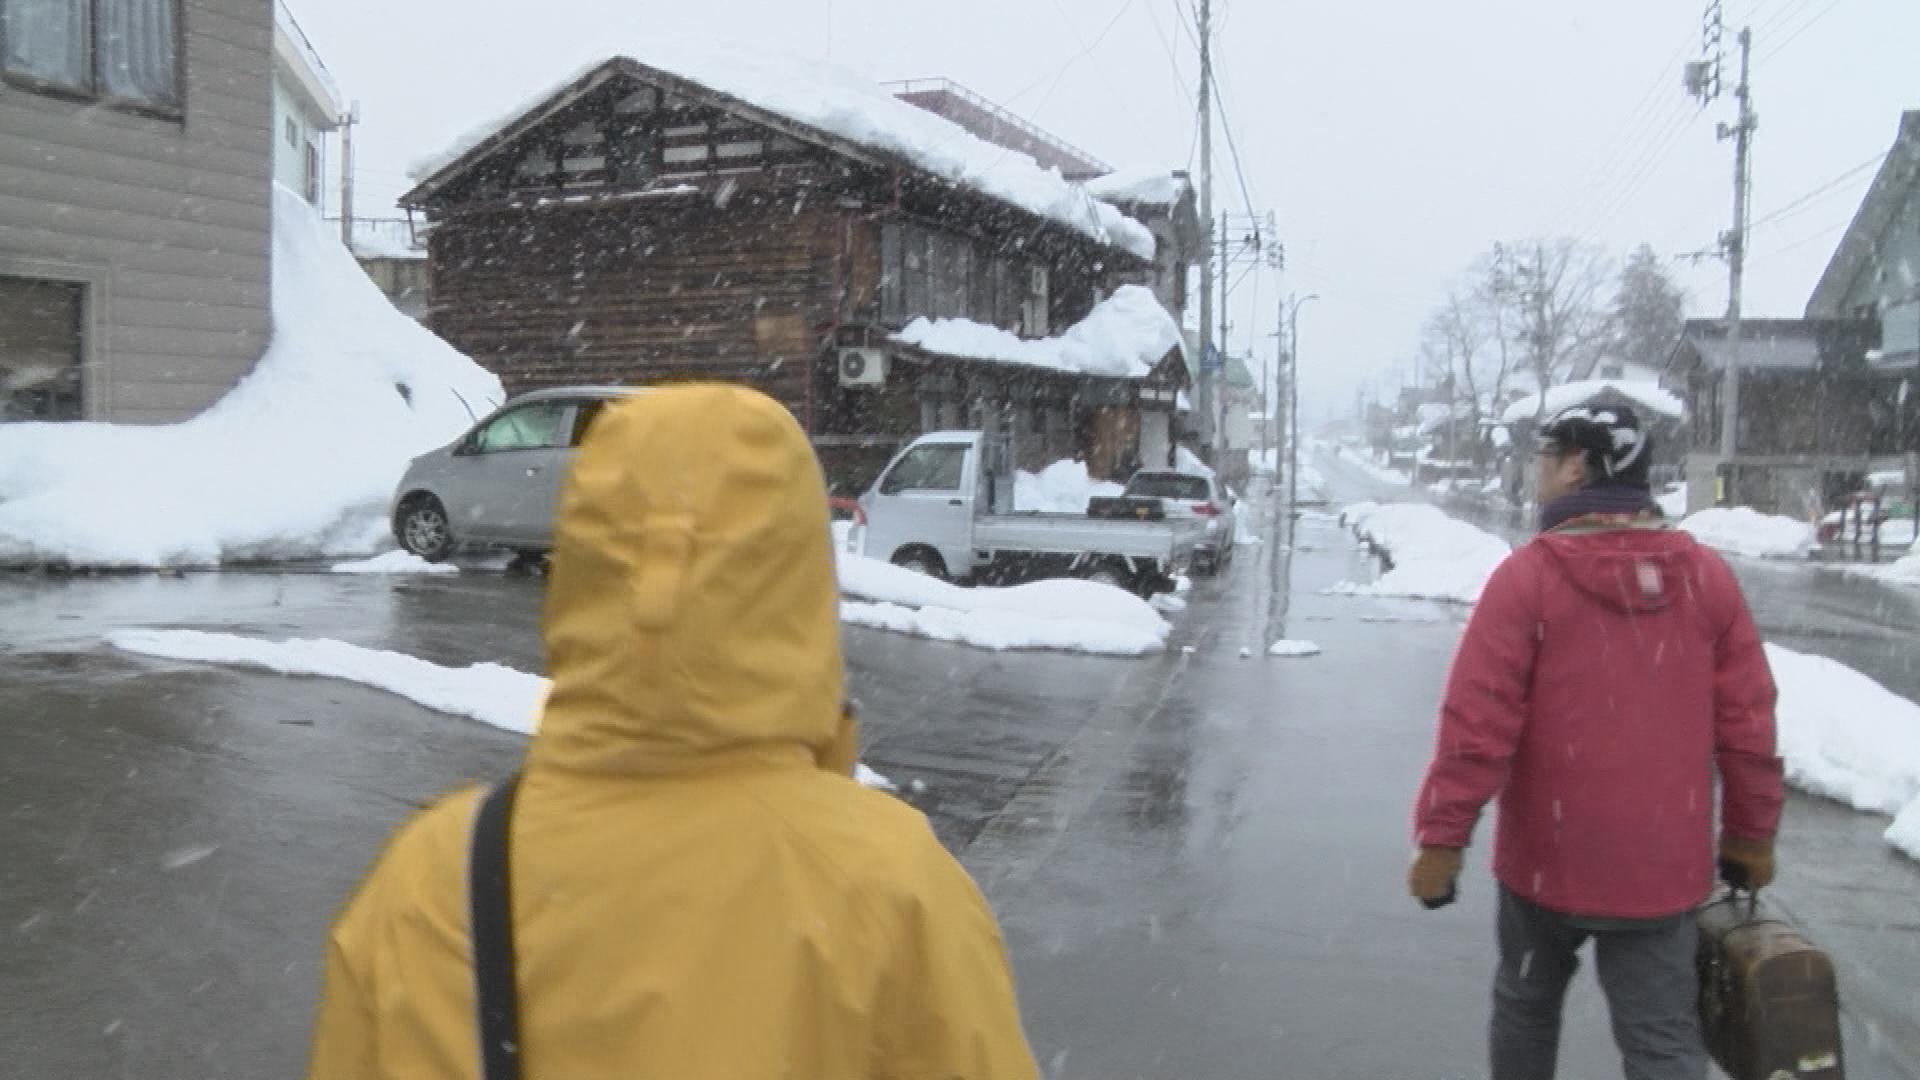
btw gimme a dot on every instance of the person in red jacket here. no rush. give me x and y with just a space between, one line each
1609 671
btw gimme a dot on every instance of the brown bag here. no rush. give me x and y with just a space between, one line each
1768 1002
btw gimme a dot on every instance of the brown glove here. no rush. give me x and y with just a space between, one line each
1746 864
1433 873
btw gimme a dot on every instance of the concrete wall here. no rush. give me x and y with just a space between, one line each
166 221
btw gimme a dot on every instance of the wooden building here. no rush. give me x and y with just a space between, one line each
639 225
1813 416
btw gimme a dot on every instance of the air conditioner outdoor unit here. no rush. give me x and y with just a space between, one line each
863 367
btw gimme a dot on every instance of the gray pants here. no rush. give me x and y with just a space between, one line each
1646 968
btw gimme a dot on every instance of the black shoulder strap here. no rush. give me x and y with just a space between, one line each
491 889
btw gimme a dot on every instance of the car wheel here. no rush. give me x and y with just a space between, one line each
422 528
921 561
1110 573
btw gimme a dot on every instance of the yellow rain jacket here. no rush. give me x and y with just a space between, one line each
699 887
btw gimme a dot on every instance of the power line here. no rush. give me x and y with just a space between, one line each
1811 196
1179 80
1226 125
1823 234
1795 36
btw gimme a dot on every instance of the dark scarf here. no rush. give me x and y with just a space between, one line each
1610 500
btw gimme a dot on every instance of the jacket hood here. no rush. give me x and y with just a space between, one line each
1632 569
692 614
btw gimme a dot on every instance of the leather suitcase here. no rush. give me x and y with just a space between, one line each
1768 1001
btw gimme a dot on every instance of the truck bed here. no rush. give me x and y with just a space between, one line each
1077 534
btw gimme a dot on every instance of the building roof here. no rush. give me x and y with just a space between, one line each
1770 344
1892 187
1650 396
997 125
1126 336
307 77
1161 188
815 103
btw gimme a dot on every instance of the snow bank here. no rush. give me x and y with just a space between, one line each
1434 557
1846 737
1124 336
1061 488
1906 571
1373 468
1144 187
1293 649
1187 461
1673 501
395 562
1648 395
1740 530
490 693
1063 614
298 460
841 103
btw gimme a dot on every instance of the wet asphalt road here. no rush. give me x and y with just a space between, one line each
1197 857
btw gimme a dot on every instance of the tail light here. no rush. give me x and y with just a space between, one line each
1206 509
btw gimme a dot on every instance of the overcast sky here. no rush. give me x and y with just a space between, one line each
1394 140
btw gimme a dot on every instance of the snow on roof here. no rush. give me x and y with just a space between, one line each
842 104
1651 396
1124 336
304 64
1150 187
386 239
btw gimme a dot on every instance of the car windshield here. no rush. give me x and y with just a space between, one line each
1169 486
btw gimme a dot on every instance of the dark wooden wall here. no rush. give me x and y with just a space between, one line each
638 292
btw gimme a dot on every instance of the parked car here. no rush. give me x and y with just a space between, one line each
497 485
1195 496
944 507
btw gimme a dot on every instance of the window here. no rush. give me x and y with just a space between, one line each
311 174
40 349
1170 486
120 51
588 412
293 133
540 426
934 467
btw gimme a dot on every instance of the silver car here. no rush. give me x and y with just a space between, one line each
1191 495
497 485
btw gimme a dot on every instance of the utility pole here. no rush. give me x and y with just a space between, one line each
1703 82
1219 389
1279 535
346 173
1207 407
1741 133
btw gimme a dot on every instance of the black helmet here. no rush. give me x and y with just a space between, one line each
1608 436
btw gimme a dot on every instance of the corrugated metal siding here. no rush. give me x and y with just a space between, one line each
173 218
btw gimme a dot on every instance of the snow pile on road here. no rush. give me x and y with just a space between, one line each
1372 467
1289 648
1062 614
490 693
493 694
395 562
1124 336
843 104
1906 571
1741 530
1061 488
1186 461
1431 556
1850 739
298 460
1650 396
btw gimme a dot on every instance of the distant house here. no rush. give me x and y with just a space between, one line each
306 108
1812 417
788 226
135 229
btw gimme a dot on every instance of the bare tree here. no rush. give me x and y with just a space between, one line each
1561 286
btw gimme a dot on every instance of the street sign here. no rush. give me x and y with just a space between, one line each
1211 360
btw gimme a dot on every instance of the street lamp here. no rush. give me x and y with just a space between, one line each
1293 402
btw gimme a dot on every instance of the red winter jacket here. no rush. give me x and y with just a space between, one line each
1603 677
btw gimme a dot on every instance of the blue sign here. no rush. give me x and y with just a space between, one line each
1211 360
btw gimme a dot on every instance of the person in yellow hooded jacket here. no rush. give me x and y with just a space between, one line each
699 887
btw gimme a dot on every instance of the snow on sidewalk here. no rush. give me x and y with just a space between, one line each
298 460
1846 737
395 562
1433 556
1293 649
1741 530
490 693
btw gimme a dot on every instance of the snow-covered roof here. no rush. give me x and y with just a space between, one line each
1124 336
303 66
838 104
380 238
1146 187
1651 396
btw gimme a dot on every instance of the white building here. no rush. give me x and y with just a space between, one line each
306 107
